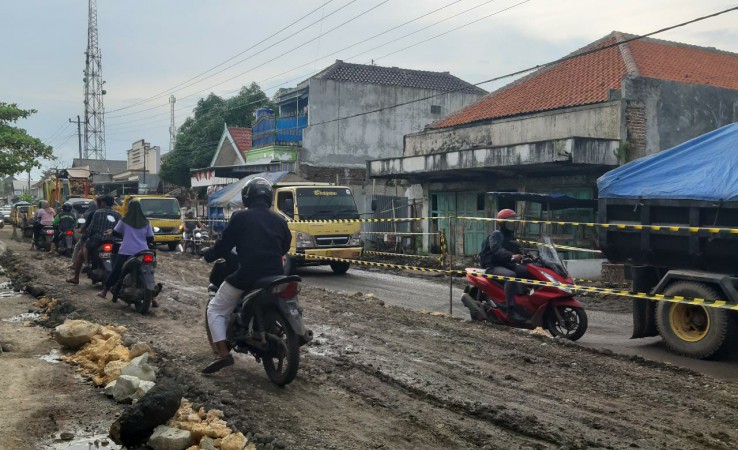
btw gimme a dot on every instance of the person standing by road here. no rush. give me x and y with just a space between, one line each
261 238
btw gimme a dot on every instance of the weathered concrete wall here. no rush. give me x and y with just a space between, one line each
351 142
676 112
601 121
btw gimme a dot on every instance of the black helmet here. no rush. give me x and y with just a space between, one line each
256 189
67 207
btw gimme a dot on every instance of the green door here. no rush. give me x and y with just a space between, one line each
443 204
472 204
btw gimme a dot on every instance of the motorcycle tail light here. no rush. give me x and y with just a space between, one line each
287 290
107 248
69 232
148 258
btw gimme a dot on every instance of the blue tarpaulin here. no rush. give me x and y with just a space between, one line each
704 168
230 196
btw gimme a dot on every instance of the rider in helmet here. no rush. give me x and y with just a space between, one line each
261 238
501 255
63 222
189 225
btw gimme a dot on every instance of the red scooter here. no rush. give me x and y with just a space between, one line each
553 308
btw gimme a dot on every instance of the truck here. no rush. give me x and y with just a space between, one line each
21 216
690 194
164 215
304 205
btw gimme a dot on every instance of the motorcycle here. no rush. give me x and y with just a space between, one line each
267 322
197 238
66 242
136 285
101 261
44 238
553 308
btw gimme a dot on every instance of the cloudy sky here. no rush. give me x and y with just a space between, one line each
151 47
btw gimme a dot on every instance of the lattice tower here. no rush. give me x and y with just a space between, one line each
94 92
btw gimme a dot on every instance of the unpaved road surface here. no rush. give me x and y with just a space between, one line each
379 376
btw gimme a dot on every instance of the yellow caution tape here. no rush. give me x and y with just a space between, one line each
721 304
366 252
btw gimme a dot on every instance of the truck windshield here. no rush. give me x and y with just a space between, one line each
160 208
326 203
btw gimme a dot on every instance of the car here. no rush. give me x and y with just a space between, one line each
5 211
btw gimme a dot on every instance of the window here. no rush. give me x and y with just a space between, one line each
480 201
282 205
435 109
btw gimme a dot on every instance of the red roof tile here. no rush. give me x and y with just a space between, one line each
588 79
242 138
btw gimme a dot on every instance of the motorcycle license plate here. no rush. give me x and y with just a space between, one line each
104 255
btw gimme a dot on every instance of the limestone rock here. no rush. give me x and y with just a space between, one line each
165 438
75 333
235 441
139 349
113 368
139 368
207 444
143 388
125 387
110 388
137 422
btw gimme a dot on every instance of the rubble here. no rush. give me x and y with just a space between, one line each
139 349
75 333
166 438
143 388
124 388
94 357
138 367
208 428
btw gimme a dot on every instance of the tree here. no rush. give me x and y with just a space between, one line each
198 137
19 151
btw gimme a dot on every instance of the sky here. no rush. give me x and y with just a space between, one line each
158 48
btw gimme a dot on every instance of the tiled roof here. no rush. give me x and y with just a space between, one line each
589 79
101 165
242 138
395 76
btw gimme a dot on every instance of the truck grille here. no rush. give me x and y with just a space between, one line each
331 241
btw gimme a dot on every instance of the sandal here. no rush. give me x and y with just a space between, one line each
218 364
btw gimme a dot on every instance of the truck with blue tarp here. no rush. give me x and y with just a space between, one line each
687 199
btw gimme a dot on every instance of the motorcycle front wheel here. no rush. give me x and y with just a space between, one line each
572 326
282 360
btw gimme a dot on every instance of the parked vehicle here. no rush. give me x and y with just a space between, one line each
6 212
691 187
164 215
137 286
2 219
199 239
44 238
22 217
553 308
267 322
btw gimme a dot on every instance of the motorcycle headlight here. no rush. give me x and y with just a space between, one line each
198 235
355 239
554 280
304 240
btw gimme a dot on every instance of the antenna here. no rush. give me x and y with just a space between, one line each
172 128
94 92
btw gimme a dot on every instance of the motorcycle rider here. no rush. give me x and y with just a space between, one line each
502 255
189 225
261 238
80 251
103 219
44 217
63 222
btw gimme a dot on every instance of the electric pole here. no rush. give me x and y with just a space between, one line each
79 134
172 128
94 92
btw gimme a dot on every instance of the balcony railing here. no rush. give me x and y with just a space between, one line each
280 131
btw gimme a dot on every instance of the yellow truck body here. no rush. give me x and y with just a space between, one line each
304 201
164 215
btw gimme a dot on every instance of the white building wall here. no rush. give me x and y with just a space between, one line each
141 149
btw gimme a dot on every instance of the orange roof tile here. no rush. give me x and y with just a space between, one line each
242 138
588 79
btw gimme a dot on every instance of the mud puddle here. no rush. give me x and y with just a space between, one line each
100 441
23 317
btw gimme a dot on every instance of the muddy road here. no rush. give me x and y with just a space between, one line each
380 376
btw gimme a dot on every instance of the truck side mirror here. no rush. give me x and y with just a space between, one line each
374 205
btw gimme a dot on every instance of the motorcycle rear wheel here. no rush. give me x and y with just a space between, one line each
278 326
575 326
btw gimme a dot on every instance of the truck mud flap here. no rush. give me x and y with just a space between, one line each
644 324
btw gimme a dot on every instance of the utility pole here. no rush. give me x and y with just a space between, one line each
79 134
172 128
94 92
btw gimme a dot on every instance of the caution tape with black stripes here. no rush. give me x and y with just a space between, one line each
720 304
404 255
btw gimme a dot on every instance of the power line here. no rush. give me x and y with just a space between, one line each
169 91
273 59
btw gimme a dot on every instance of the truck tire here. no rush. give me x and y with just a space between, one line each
339 268
696 331
172 246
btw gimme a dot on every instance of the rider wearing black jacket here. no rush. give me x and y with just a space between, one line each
261 238
501 255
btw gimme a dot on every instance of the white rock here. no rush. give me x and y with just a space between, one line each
75 333
139 368
110 388
165 438
125 387
143 388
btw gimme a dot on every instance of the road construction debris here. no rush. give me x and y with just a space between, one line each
104 348
74 334
166 438
207 428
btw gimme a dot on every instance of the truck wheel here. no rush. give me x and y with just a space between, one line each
693 330
339 268
172 246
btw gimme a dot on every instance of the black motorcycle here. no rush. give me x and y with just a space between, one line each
66 241
44 238
267 322
101 261
136 285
